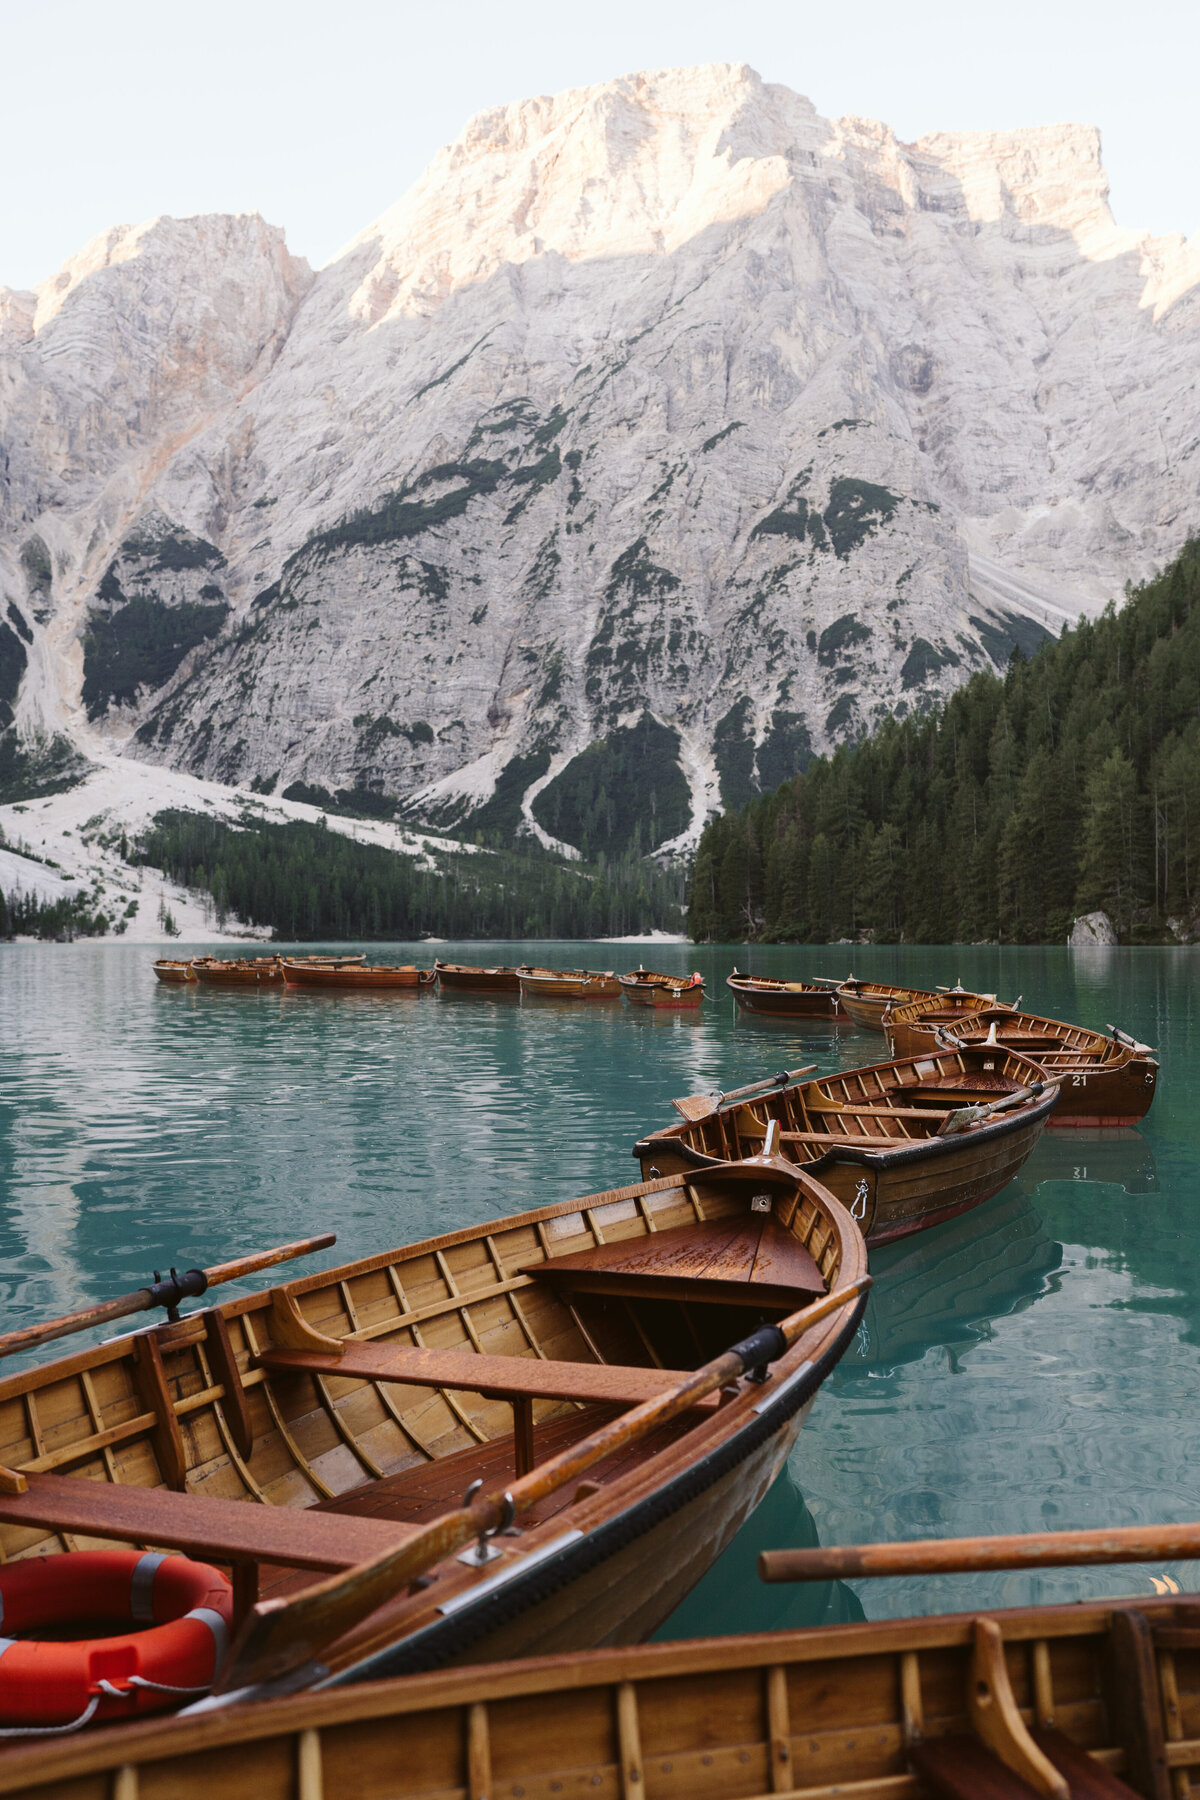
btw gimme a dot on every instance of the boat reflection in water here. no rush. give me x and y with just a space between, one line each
719 1598
948 1285
1118 1156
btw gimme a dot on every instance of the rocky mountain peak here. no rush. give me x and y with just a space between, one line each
663 433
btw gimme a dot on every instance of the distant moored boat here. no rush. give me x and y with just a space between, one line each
645 987
788 999
569 984
242 971
314 973
869 1002
173 971
465 978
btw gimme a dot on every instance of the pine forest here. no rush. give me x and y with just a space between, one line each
1069 784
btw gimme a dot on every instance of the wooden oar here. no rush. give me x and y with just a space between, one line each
961 1556
166 1293
762 1086
966 1116
281 1635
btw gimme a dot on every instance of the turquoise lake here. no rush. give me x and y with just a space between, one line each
1032 1365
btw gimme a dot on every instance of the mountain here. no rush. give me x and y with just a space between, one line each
663 434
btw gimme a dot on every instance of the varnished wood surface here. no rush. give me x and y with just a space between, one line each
873 1135
536 1377
223 1530
335 976
762 994
1104 1080
849 1711
210 1413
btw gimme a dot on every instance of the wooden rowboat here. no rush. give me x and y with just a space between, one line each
463 978
868 1003
1105 1080
242 971
647 988
908 1029
300 972
569 984
1107 1692
173 971
902 1144
783 999
571 1360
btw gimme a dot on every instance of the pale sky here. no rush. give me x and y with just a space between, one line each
320 115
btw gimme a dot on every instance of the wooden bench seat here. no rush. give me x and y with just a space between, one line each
232 1531
465 1371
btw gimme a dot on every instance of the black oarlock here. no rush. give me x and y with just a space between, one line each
168 1293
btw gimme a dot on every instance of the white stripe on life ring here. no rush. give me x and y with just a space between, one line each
219 1629
141 1586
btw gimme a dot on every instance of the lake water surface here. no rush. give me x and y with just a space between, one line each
1032 1365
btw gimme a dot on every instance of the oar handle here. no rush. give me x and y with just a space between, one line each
960 1556
160 1293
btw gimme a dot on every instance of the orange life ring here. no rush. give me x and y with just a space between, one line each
183 1609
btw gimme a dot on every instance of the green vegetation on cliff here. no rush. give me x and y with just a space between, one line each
1068 784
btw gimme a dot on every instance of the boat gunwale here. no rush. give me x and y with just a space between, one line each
584 1671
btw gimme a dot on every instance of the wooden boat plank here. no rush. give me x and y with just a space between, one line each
230 1530
468 1371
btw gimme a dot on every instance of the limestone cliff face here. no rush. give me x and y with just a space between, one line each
665 416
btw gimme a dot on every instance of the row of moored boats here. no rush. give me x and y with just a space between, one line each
645 987
529 1438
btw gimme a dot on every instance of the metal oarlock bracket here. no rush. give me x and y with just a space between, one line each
485 1551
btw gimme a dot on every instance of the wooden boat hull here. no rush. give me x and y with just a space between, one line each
646 988
1104 1082
784 999
174 974
316 1404
812 1713
354 979
573 984
234 975
891 1186
870 1006
461 979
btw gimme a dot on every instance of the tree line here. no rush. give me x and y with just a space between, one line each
309 883
1071 783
